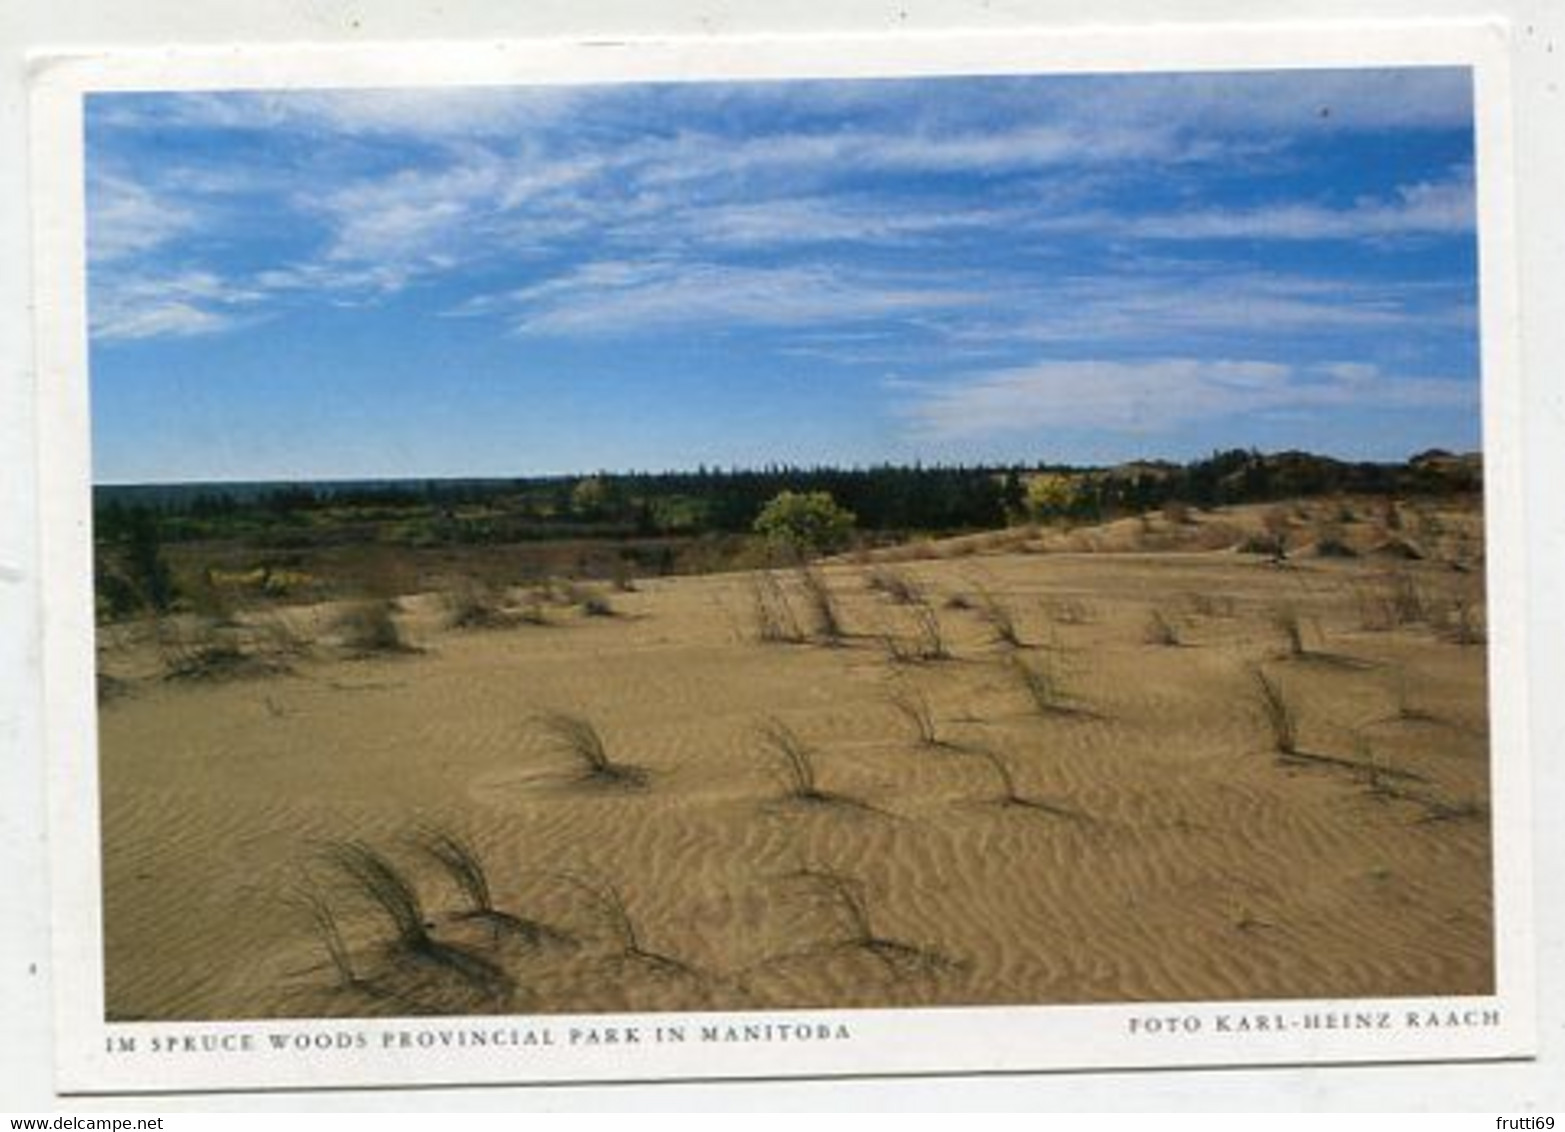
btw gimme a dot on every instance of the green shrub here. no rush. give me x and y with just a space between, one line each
805 523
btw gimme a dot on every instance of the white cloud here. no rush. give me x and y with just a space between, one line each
499 175
1432 208
181 305
126 218
1157 395
431 114
635 296
1160 300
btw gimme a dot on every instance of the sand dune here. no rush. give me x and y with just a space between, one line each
1151 842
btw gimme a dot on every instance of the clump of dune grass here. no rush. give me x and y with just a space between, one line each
461 862
368 627
841 902
927 643
1285 619
913 706
895 585
1040 682
794 760
899 650
1067 611
324 921
610 904
210 661
390 892
531 611
470 605
1393 602
1278 712
1000 619
774 618
385 887
930 636
1378 772
214 651
1009 794
1160 630
1333 546
576 736
822 605
597 605
463 865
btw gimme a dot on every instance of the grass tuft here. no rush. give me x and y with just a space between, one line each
385 887
1159 630
1281 718
368 627
822 605
1285 619
794 759
775 621
1039 680
840 901
913 706
463 865
894 584
576 736
1001 621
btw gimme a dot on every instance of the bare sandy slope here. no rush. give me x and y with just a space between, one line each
1153 844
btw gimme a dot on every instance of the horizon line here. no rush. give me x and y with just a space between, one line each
980 465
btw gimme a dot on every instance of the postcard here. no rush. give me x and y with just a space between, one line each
692 559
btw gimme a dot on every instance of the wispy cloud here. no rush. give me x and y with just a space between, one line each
1159 301
763 204
183 305
1427 208
436 114
127 218
636 297
1155 396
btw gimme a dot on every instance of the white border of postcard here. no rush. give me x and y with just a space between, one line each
97 1057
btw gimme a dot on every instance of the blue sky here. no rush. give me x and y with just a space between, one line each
509 281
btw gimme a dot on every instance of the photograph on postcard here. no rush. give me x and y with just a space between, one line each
751 546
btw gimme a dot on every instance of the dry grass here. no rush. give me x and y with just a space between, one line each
1161 630
1040 682
327 930
610 904
385 888
926 644
1281 719
1285 619
473 605
1009 794
913 706
794 761
772 612
368 627
1000 619
461 862
577 737
827 624
895 585
837 902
